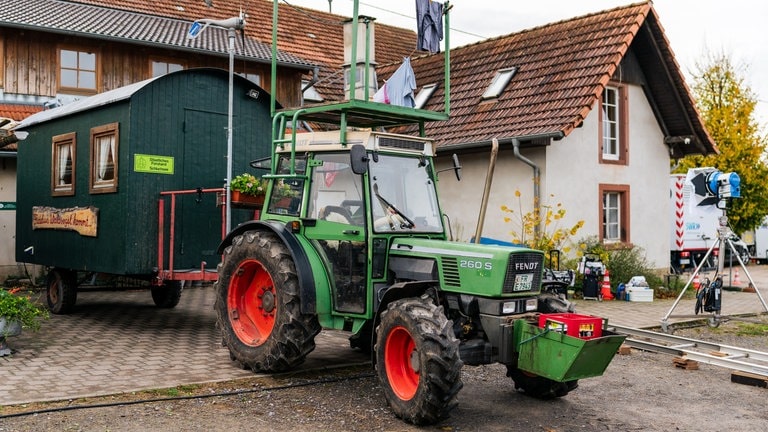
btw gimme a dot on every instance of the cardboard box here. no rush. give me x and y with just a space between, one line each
640 294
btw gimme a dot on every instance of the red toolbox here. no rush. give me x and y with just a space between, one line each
572 324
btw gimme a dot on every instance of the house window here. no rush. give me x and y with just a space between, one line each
63 172
613 125
614 213
104 151
160 68
424 94
254 78
77 70
499 83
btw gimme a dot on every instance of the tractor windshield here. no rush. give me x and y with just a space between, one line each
403 195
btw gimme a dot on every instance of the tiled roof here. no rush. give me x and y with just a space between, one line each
148 28
562 70
15 113
18 112
310 34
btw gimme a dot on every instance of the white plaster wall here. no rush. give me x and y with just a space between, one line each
7 218
571 174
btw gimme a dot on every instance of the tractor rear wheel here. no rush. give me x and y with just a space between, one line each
168 295
539 386
62 290
258 306
417 360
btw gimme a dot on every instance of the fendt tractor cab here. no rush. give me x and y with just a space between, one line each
352 237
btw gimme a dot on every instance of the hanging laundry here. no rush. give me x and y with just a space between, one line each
429 21
398 89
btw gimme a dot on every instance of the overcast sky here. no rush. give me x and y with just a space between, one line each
693 28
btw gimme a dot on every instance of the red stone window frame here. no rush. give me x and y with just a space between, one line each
613 124
605 216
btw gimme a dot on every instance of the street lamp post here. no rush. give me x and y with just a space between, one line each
232 25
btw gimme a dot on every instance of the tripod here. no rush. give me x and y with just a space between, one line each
724 235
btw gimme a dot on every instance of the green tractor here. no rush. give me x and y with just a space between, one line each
352 237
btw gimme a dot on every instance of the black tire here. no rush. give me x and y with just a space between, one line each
417 360
61 293
258 306
168 295
539 386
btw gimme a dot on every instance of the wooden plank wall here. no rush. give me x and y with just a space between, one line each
30 59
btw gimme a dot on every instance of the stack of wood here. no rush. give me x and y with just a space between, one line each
684 363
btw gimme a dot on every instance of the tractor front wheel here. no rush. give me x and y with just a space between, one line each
258 306
539 386
417 360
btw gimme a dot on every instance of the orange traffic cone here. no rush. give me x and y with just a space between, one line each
736 280
696 282
605 289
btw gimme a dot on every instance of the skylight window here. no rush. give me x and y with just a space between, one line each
424 94
499 82
310 93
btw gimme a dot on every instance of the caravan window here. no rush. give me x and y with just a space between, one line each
63 167
104 146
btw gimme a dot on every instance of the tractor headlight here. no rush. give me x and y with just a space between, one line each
508 307
531 305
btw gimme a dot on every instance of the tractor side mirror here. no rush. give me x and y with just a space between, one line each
358 159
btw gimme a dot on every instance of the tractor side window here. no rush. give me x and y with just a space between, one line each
287 192
336 192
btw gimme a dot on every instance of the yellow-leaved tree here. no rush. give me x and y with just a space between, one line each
727 105
541 230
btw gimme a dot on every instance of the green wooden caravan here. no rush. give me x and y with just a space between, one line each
130 182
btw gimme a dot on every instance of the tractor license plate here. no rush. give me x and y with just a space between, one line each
523 282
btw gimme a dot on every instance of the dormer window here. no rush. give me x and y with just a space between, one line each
424 94
499 83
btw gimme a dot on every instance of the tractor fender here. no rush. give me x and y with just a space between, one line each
300 259
398 291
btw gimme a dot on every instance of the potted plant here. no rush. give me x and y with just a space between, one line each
17 312
247 188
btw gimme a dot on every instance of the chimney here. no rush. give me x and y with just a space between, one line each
365 30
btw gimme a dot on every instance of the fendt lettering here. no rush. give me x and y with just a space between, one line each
526 266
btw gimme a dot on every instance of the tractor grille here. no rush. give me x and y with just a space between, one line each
528 267
451 272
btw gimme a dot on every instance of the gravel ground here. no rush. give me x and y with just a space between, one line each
641 391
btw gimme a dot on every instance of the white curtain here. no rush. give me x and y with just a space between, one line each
63 158
106 149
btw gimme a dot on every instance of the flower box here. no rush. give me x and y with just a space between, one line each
248 201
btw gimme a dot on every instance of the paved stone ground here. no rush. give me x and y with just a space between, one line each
118 341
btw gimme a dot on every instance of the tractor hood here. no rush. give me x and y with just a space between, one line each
469 268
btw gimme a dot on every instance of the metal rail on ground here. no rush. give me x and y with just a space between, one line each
741 359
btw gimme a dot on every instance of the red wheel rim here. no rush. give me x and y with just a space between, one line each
400 357
252 303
